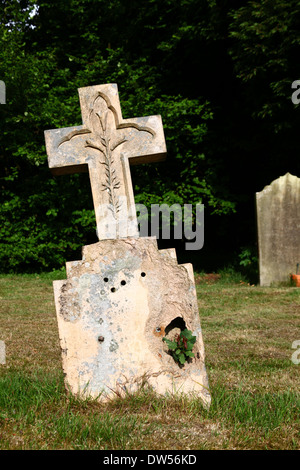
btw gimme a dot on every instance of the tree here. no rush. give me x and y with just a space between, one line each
265 47
42 222
219 73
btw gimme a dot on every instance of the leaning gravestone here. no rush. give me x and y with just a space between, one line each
124 296
278 225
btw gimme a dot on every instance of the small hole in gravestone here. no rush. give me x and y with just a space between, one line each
178 322
105 279
123 283
143 274
113 289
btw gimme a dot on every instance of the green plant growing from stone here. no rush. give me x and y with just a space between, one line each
182 345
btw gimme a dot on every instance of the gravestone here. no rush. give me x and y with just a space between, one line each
124 296
278 225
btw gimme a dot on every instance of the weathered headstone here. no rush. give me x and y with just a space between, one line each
278 225
125 295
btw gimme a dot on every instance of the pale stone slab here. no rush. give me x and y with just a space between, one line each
117 304
278 225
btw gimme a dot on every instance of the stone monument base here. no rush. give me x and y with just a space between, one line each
113 311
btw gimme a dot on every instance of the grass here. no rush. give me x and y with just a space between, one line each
248 333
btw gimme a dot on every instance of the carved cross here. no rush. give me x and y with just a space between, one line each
104 145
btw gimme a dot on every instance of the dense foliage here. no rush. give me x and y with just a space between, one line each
219 73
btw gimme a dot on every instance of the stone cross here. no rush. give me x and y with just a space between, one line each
104 145
125 298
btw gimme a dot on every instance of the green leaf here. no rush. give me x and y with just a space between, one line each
190 345
189 354
181 358
186 333
171 344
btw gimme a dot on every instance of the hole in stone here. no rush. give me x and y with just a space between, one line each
123 283
172 330
105 279
113 289
178 322
143 274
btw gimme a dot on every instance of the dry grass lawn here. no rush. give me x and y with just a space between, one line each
248 334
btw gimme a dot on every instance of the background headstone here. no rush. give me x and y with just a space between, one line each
278 225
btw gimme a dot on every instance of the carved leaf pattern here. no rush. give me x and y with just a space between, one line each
106 138
105 134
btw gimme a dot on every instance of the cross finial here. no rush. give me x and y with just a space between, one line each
105 144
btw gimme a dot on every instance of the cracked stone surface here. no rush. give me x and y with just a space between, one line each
113 310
